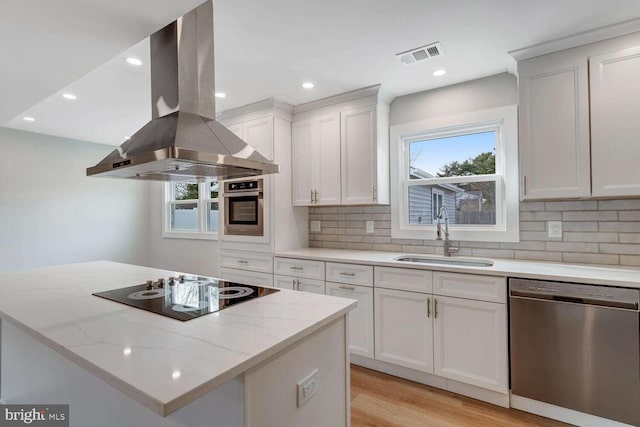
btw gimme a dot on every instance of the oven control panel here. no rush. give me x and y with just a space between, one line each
243 186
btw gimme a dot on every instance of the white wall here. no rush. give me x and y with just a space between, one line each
188 255
475 95
51 213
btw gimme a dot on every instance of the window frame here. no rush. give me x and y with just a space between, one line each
201 203
503 121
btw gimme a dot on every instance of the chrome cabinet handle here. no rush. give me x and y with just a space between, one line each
241 261
435 308
296 284
315 196
375 193
428 307
524 184
347 288
344 273
296 268
311 196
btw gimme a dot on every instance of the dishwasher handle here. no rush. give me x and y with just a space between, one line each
583 299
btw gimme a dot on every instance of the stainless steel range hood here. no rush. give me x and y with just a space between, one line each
183 141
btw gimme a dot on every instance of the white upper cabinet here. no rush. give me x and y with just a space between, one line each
340 150
258 133
579 127
316 161
359 164
615 124
554 129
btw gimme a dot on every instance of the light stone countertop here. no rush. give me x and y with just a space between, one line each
582 273
55 305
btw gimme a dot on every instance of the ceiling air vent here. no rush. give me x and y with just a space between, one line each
420 54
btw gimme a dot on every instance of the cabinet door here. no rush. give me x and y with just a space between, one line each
470 342
554 129
259 134
302 160
237 129
615 126
359 156
404 329
360 318
326 160
284 282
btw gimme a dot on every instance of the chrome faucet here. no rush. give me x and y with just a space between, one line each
448 249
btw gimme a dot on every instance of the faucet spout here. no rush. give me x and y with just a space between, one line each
448 248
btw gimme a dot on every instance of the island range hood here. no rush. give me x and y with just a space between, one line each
183 141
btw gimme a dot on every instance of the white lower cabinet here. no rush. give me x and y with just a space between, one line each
360 318
470 342
404 329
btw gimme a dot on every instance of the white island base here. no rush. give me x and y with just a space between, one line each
265 395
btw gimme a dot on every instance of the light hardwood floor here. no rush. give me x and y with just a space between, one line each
381 400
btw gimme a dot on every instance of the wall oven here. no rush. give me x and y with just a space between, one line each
244 208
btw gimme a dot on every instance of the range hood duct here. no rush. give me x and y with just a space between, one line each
183 141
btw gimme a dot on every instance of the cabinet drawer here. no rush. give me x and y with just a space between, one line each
350 273
250 261
246 277
404 279
471 286
299 284
299 268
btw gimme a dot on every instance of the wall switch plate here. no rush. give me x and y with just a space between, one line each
315 226
369 227
307 387
554 229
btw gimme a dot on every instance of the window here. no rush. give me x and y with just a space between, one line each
191 210
466 164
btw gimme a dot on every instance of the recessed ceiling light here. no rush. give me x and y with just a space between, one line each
134 61
28 119
221 95
439 73
175 375
308 85
127 138
127 351
69 96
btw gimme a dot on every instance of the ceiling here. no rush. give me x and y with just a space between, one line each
263 49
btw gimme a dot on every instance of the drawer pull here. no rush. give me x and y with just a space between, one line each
428 307
435 308
296 268
347 288
344 273
241 261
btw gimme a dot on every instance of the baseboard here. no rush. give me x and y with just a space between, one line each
562 414
472 391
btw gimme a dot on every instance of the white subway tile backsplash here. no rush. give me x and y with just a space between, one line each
590 216
595 232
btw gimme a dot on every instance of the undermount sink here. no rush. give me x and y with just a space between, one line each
446 261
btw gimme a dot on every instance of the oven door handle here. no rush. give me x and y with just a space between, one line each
247 194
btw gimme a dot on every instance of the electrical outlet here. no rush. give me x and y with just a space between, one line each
315 226
554 229
308 387
369 227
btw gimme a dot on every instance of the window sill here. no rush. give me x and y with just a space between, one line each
189 235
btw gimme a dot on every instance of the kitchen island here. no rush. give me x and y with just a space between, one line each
119 365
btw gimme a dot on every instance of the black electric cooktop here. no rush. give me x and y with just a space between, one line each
185 297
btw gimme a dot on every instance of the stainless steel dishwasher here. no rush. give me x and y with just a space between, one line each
576 346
